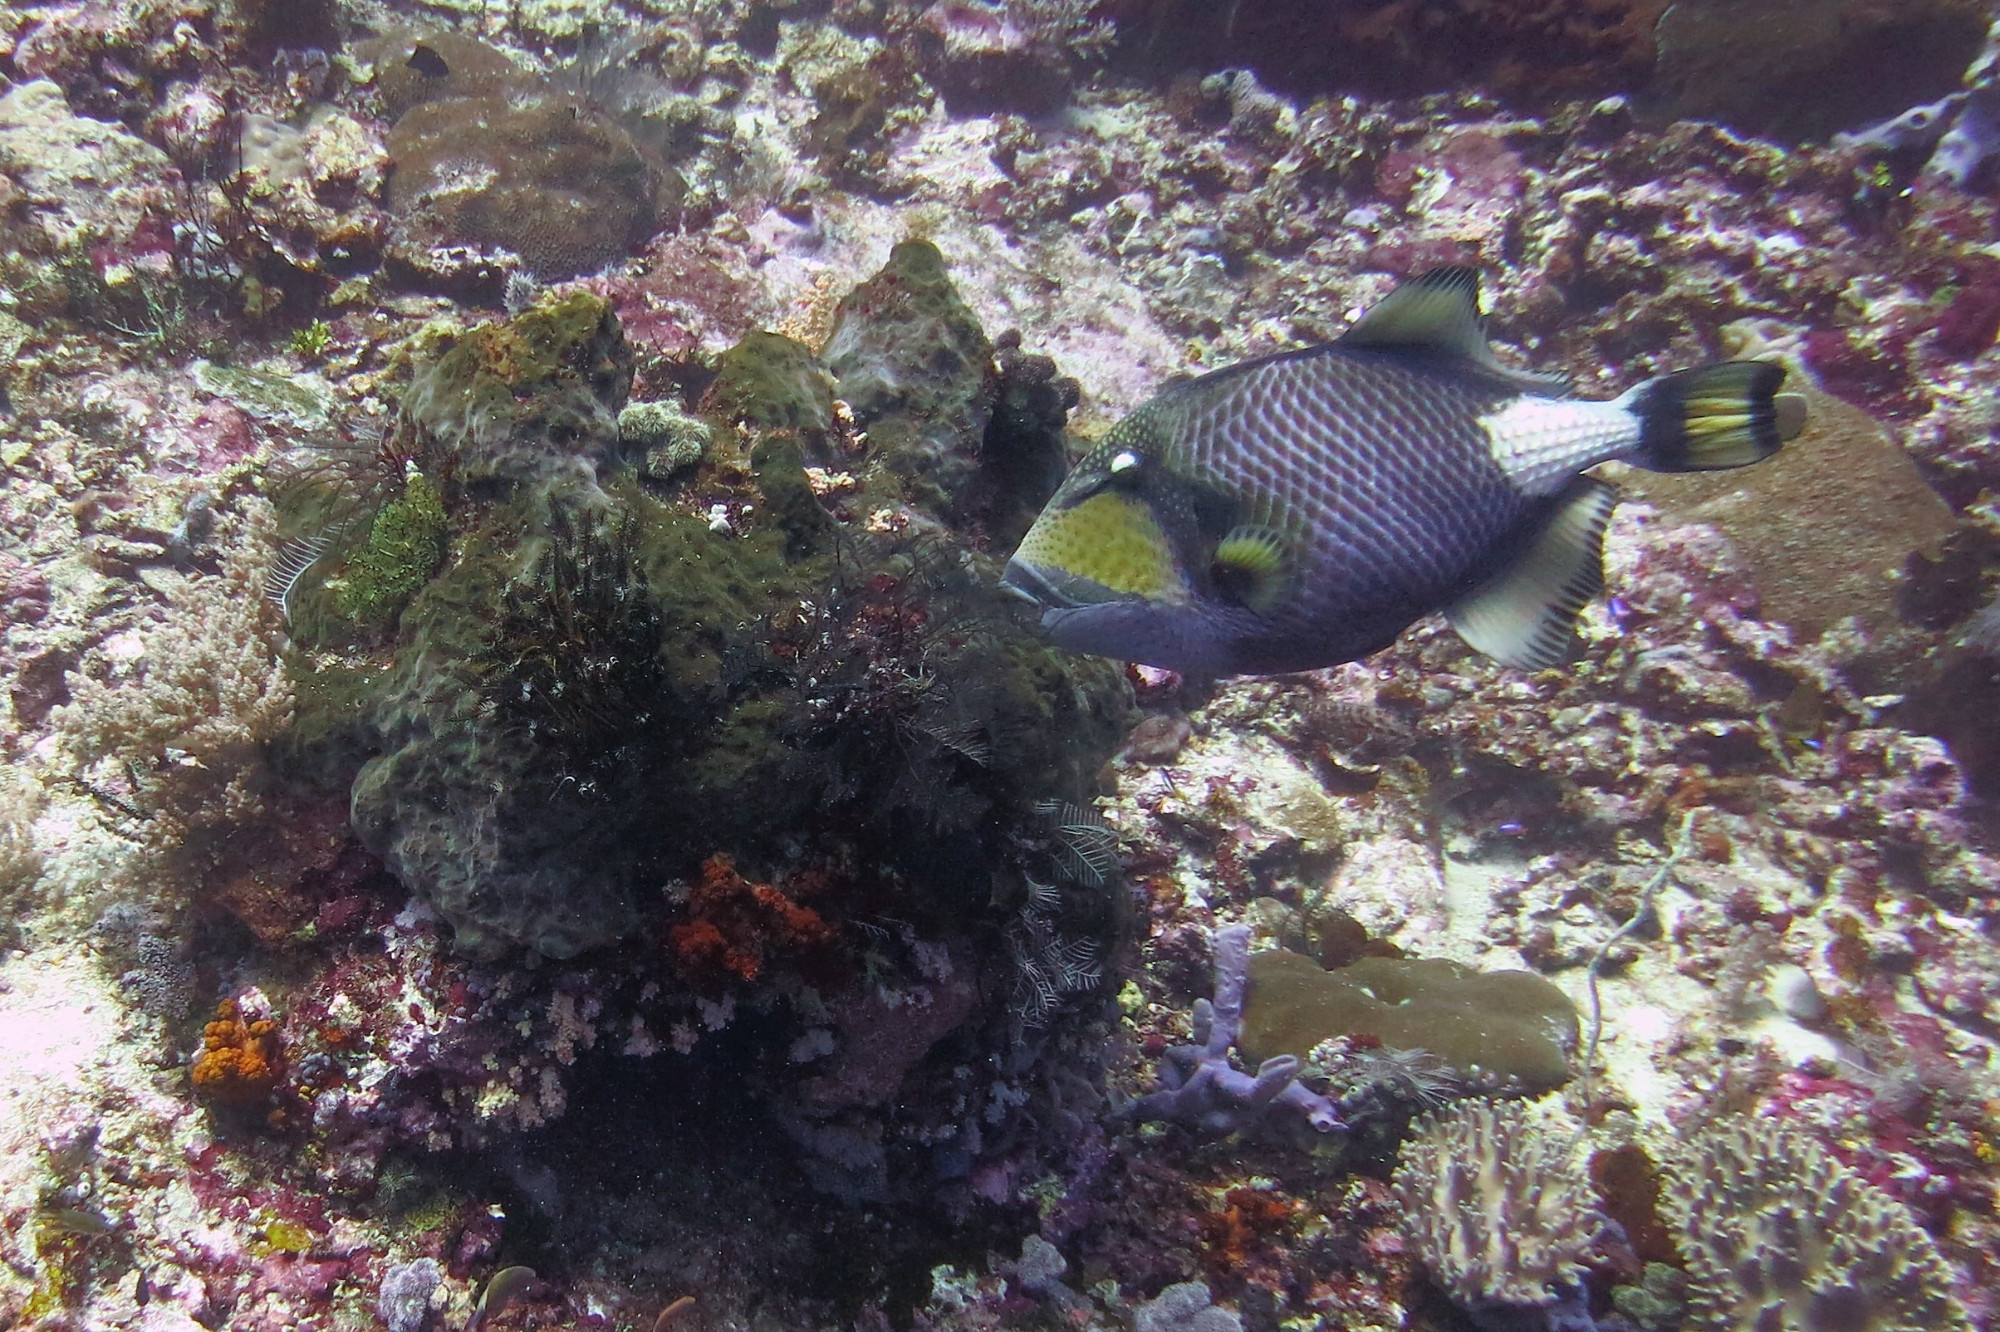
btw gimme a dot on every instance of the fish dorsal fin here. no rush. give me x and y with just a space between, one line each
1525 615
1439 313
1436 312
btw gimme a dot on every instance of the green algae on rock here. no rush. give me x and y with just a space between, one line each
603 685
1508 1030
405 545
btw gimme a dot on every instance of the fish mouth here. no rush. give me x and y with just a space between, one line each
1048 589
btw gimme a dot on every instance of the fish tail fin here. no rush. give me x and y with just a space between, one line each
1714 417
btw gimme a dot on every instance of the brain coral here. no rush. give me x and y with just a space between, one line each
1508 1030
1778 1236
544 179
1498 1206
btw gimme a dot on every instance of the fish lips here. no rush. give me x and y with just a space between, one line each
1079 615
1051 589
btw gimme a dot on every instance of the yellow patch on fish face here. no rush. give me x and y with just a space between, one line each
1251 566
1111 539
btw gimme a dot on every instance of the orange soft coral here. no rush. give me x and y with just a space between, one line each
737 924
240 1061
1237 1239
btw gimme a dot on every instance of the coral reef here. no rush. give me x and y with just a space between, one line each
1778 1234
21 860
585 745
1200 1087
1498 1206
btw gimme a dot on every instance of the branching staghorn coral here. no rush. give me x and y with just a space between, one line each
1778 1236
20 858
1499 1207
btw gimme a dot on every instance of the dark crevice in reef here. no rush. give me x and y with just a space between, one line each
679 1155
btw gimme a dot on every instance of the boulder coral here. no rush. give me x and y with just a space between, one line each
497 173
610 678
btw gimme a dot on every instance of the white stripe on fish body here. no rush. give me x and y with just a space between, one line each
1540 443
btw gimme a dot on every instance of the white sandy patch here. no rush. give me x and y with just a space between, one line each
71 1065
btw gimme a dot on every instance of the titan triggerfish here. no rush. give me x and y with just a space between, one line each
1303 509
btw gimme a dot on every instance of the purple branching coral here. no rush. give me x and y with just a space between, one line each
1198 1084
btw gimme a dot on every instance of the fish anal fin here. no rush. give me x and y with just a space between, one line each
1525 615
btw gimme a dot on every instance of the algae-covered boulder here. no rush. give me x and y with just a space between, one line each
772 382
1508 1030
602 685
917 369
524 399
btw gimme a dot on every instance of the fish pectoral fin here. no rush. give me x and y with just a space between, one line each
1439 313
1525 615
1250 566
